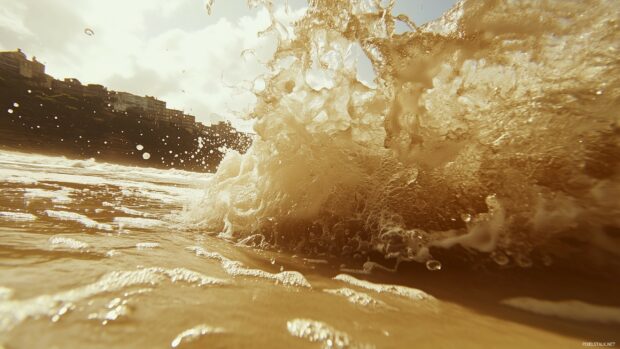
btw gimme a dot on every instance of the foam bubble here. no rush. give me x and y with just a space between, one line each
356 297
320 332
402 291
61 241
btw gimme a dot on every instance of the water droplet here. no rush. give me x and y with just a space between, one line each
466 217
89 32
146 156
16 105
209 6
433 265
139 147
29 91
10 111
599 92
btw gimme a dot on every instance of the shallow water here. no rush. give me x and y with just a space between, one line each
94 256
468 200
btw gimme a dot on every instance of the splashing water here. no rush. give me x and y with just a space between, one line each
209 6
475 115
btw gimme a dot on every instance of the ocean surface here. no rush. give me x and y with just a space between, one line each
467 198
96 255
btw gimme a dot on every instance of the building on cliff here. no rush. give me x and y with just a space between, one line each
16 63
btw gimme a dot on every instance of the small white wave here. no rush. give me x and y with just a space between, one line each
131 212
147 245
320 332
568 309
70 243
114 310
13 312
403 291
355 297
234 268
56 196
79 218
19 179
134 222
17 216
194 333
5 293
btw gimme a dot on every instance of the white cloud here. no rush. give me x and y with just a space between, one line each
146 47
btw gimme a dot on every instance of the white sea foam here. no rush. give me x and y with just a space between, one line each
135 222
235 268
78 218
130 211
13 312
56 196
408 292
194 333
70 243
320 332
5 293
17 216
114 310
356 297
568 309
147 245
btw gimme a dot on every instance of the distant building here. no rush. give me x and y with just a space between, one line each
123 101
173 115
191 118
16 63
68 86
95 91
155 106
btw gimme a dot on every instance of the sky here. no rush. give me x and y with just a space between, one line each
173 50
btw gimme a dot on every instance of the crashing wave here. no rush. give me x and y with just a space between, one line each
494 128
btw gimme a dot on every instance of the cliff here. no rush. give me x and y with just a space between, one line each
35 118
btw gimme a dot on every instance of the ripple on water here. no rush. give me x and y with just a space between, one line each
17 216
402 291
356 297
194 333
147 245
319 332
78 218
136 222
235 268
64 242
13 312
568 309
114 310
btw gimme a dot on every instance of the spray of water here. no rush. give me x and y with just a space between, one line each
494 128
